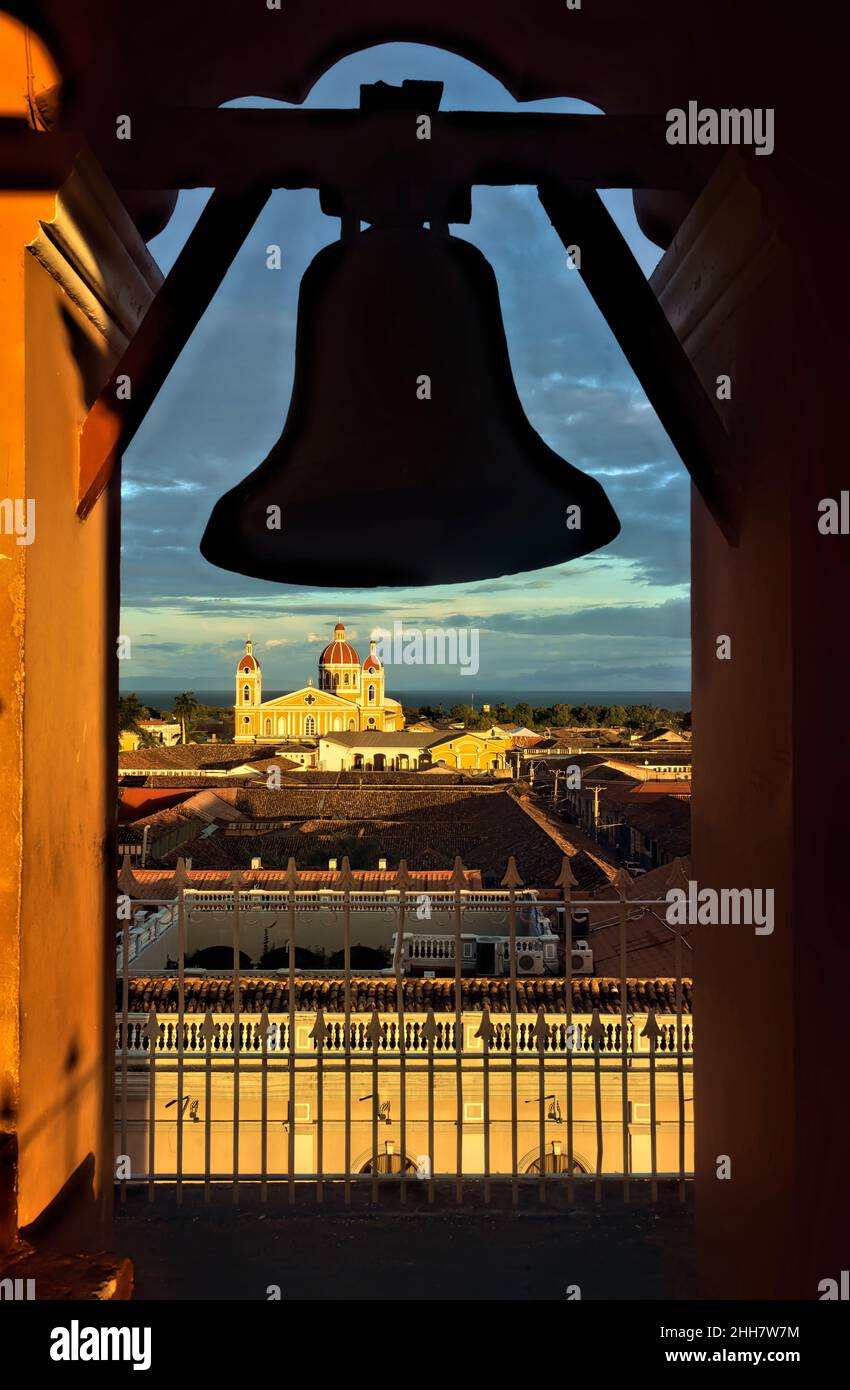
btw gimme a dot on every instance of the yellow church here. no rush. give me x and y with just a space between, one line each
348 698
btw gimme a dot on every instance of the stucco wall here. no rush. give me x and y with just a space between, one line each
58 733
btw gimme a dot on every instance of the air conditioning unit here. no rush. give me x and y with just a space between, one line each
536 955
581 958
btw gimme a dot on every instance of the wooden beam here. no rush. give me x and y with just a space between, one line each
231 149
162 335
33 160
660 363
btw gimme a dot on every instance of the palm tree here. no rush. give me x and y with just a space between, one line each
186 708
130 711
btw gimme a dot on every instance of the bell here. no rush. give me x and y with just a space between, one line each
406 457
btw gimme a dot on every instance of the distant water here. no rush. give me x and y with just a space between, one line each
163 697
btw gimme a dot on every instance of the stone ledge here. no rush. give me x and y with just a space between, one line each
99 1278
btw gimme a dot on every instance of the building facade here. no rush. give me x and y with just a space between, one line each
349 697
371 751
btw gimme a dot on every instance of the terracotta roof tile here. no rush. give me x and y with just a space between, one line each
379 992
193 755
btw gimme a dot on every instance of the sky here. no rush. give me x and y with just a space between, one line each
616 620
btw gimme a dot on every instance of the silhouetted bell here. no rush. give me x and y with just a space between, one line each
406 457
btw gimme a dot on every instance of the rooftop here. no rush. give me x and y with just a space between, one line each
193 755
258 992
427 825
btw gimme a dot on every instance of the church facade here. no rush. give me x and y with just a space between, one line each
349 698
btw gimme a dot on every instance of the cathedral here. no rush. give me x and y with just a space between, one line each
349 698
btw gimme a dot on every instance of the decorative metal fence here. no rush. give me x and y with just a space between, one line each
284 1077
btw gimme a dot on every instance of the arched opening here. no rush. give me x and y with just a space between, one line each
218 958
277 958
554 1161
390 1161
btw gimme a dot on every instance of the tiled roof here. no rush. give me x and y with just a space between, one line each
134 802
278 760
158 884
379 992
355 803
428 828
664 819
660 786
590 862
303 778
189 755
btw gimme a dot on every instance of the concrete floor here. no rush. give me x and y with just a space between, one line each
384 1252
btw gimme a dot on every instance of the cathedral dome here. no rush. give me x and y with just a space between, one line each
339 652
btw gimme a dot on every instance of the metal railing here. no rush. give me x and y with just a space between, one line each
217 1087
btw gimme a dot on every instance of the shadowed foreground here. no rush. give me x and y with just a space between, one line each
384 1251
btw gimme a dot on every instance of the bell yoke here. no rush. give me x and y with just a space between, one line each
406 457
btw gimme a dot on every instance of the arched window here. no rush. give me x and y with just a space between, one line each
371 695
346 678
336 680
246 693
309 725
268 726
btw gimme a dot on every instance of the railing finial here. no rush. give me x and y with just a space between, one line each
566 878
486 1028
512 878
127 881
181 874
291 878
345 878
622 881
458 878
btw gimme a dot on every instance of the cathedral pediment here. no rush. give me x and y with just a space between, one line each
310 696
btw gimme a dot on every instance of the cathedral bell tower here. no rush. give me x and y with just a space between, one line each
373 683
249 694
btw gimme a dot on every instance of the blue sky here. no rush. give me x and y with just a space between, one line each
615 620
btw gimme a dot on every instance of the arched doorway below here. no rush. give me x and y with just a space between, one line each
554 1161
390 1161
